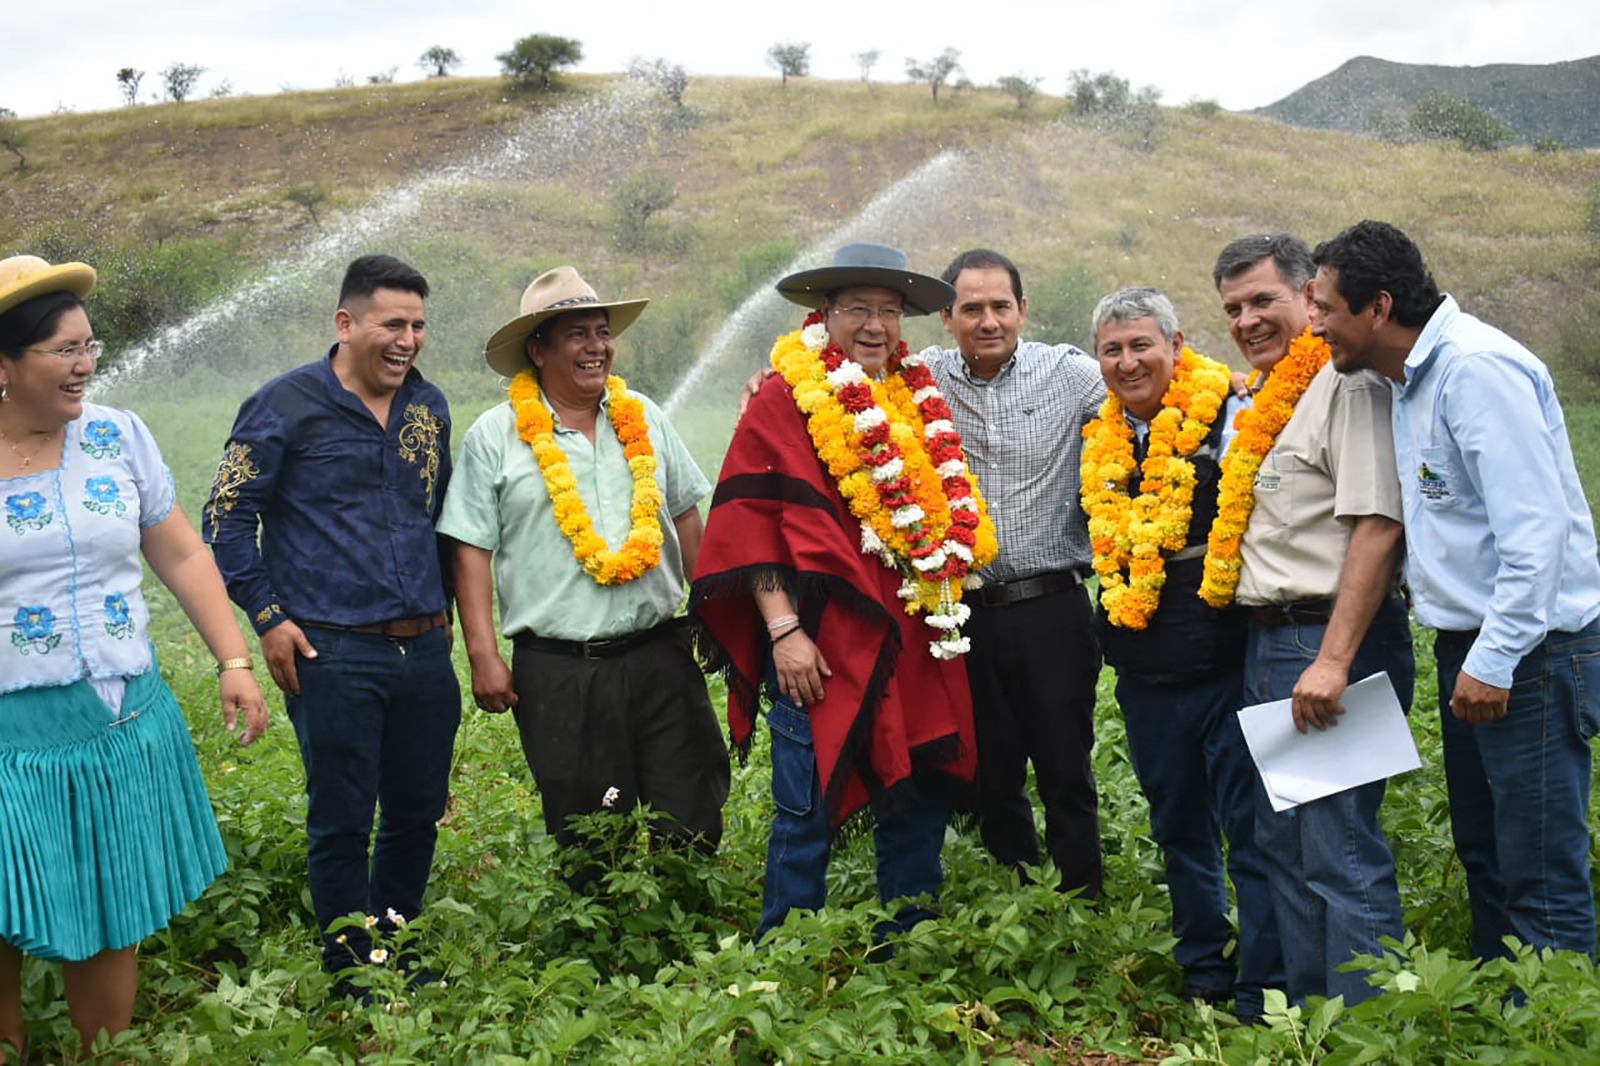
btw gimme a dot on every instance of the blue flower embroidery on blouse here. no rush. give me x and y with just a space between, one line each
101 494
100 439
35 630
26 511
119 619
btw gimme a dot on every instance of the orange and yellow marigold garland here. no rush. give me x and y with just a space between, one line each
641 552
1258 428
899 463
1132 535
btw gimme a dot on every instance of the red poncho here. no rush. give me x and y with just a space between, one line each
891 711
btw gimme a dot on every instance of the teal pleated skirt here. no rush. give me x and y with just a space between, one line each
106 831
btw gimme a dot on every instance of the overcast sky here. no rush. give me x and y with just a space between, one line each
65 53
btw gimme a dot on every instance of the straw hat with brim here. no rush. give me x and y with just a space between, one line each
22 277
552 293
875 265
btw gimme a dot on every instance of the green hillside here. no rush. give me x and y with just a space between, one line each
1554 100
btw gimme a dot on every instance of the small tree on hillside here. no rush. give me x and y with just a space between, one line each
309 197
866 61
792 58
383 77
533 59
935 71
646 193
438 61
180 80
1442 117
11 136
128 79
670 78
1021 88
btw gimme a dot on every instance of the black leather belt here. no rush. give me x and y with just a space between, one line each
1305 612
1001 593
397 627
609 648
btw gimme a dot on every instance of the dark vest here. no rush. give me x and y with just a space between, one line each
1187 639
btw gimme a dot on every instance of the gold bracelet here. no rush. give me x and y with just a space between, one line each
243 663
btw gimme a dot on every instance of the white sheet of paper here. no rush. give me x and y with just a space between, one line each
1371 741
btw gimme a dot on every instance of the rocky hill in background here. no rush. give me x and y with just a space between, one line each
1555 100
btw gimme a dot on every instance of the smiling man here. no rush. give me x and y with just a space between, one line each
1307 539
341 466
1021 406
577 499
1179 661
1500 554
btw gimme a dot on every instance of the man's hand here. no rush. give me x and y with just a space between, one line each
1317 695
1474 701
278 646
801 669
1240 384
492 690
751 387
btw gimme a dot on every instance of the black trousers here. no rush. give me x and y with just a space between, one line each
1033 667
640 723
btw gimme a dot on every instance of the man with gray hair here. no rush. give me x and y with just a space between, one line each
1179 661
1307 540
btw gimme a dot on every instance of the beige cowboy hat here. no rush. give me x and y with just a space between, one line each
22 277
876 266
551 293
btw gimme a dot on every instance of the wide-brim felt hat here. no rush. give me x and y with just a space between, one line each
22 277
552 293
874 265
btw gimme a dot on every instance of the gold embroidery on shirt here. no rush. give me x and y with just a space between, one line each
267 613
233 473
419 442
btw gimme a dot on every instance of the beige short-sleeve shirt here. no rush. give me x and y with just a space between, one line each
1332 464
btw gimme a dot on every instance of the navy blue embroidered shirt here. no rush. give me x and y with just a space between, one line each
346 507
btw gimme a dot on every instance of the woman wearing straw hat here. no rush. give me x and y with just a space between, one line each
843 529
106 831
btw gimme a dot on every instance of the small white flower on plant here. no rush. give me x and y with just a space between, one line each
815 336
396 919
372 921
609 800
379 956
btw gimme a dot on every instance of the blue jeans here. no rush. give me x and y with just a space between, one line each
1195 770
376 719
1519 794
1330 868
908 843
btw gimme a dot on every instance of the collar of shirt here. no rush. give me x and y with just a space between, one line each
1422 352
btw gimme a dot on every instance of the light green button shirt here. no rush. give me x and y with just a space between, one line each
498 501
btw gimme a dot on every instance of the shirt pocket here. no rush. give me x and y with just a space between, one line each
1437 479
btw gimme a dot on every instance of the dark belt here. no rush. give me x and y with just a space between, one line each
1000 593
397 627
1305 612
609 648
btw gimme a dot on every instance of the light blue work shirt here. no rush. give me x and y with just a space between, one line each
1499 536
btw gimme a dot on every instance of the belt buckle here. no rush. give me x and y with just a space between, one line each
595 649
